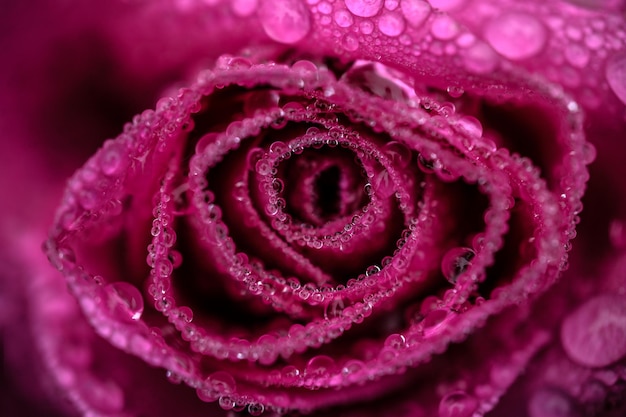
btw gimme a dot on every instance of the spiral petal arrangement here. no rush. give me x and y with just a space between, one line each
285 235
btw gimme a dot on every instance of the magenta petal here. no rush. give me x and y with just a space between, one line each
368 210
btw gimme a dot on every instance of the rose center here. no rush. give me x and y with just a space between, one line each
327 192
323 185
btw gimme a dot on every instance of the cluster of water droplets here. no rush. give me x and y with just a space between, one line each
576 47
405 146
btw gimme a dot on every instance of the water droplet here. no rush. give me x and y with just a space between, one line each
595 334
415 11
244 8
366 27
221 382
395 341
435 318
471 125
226 403
480 58
576 55
364 8
455 91
446 5
550 402
516 35
286 21
320 366
125 300
350 42
426 165
617 233
383 185
455 262
343 18
255 409
325 7
114 159
391 24
457 404
594 41
616 76
444 27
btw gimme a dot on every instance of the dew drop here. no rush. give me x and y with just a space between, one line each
415 11
444 27
434 319
364 8
366 27
617 233
221 382
454 91
576 55
114 159
244 8
343 18
125 300
391 24
457 404
446 5
426 165
455 262
480 58
383 184
516 35
595 334
395 341
549 402
594 41
286 21
616 76
471 125
350 42
320 366
226 403
400 155
256 409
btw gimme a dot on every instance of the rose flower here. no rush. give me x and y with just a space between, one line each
337 208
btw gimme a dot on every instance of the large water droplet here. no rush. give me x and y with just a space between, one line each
455 262
616 76
444 27
415 11
343 18
286 21
595 334
244 7
125 300
516 35
577 55
480 58
549 402
457 404
617 233
391 24
446 5
364 8
320 366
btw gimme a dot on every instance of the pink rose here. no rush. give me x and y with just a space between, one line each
353 208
